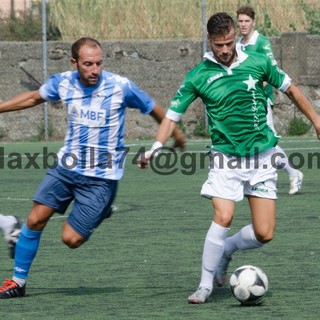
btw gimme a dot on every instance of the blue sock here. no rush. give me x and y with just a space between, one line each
26 250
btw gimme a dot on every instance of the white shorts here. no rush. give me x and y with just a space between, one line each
233 177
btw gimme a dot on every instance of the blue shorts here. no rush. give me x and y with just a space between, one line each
92 198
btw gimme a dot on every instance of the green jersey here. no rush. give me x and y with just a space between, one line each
260 43
235 101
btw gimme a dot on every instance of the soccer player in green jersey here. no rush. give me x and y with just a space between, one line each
230 83
252 41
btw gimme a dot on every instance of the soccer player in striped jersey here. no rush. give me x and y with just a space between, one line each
92 159
230 83
252 41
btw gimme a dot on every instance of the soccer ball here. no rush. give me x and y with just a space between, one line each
249 284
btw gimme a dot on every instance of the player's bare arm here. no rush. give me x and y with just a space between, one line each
22 101
179 139
304 105
165 131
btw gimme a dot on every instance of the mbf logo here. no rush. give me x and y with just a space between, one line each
86 115
92 115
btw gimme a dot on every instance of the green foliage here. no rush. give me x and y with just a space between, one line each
23 28
313 18
127 19
200 130
297 127
150 19
293 27
266 27
164 19
27 27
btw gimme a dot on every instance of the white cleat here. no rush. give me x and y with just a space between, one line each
296 183
200 296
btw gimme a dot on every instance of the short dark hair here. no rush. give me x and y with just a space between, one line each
220 24
80 43
247 10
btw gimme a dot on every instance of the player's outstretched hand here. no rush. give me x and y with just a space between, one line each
145 157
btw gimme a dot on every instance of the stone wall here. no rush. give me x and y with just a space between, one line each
158 67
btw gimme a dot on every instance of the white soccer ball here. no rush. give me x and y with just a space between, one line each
249 285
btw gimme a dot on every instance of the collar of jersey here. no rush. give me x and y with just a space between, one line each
241 56
252 41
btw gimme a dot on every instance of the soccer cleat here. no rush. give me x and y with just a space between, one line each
296 183
200 296
221 273
112 209
11 289
11 235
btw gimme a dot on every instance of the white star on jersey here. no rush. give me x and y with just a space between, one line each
251 83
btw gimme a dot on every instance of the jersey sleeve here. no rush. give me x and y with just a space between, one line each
138 99
267 47
49 91
277 77
185 95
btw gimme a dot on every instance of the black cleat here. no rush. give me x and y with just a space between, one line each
11 289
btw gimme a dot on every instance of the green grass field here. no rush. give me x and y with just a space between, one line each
145 260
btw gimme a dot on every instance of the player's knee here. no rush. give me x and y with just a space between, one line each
34 223
223 212
72 243
70 237
265 237
223 220
264 233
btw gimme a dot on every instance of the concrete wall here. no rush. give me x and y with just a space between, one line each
158 67
298 55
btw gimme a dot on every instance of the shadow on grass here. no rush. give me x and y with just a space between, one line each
80 291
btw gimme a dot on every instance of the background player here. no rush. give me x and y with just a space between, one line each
252 41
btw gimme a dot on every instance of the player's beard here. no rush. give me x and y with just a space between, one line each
227 59
89 81
93 80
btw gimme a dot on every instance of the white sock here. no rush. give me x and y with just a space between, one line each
212 253
243 240
6 222
21 282
283 163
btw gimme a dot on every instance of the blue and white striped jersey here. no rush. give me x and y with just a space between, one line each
94 143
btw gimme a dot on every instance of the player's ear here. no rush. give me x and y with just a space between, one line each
254 23
74 63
